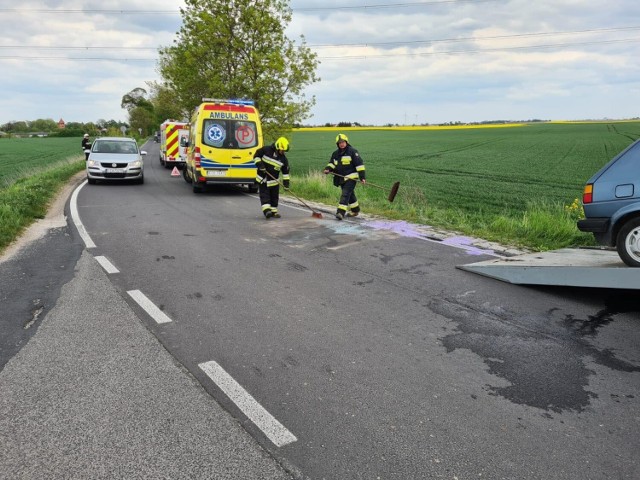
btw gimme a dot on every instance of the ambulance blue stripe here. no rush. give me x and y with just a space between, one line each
211 164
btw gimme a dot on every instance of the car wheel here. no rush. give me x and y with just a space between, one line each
91 181
628 242
141 179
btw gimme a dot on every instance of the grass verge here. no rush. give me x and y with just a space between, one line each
27 199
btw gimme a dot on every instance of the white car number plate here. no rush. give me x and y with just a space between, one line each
216 173
115 170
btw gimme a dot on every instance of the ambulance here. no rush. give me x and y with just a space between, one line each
174 137
223 138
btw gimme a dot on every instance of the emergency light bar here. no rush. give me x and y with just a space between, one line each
228 100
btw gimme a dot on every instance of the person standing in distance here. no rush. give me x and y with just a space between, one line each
86 145
270 161
347 166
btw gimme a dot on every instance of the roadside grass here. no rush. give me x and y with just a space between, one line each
26 199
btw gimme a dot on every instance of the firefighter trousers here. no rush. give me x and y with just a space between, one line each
269 197
348 200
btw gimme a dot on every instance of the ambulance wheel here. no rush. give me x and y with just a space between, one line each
253 188
185 175
628 242
197 188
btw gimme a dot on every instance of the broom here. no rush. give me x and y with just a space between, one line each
314 214
392 192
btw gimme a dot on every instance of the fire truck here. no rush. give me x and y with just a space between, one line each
174 136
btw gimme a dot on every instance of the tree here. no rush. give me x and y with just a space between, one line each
141 118
136 98
238 49
44 125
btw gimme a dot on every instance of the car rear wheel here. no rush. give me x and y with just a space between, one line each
628 242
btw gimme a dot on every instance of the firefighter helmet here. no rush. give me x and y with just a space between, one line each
282 144
341 137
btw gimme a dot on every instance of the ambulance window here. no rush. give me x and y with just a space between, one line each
245 134
229 134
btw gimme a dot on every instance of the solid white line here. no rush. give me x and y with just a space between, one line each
76 218
106 264
149 307
262 419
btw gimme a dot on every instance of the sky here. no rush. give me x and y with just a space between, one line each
381 61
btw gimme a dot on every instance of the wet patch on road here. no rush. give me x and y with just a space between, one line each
544 372
537 367
615 303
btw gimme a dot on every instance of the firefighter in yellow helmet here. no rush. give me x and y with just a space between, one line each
270 161
347 168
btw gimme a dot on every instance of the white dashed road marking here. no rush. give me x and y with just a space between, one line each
106 264
149 307
262 419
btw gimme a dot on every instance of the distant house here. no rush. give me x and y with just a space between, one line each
61 124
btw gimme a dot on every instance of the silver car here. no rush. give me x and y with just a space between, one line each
115 158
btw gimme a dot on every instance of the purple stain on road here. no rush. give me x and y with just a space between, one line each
466 243
402 228
406 229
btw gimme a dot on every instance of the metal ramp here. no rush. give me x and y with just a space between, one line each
568 267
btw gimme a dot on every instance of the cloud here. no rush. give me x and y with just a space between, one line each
435 62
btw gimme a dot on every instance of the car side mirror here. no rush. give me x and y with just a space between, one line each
143 152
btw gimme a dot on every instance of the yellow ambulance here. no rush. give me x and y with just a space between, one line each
223 138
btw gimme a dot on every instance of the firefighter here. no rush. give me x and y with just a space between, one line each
86 145
347 168
270 161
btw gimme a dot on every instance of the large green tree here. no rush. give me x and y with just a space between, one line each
238 49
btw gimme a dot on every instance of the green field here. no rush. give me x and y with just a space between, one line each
21 157
516 185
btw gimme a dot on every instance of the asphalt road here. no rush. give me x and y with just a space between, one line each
356 349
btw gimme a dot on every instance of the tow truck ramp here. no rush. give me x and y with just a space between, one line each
568 267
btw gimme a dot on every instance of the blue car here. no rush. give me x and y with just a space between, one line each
611 201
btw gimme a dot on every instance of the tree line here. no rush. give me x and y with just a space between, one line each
50 127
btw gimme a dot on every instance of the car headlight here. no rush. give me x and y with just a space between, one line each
93 163
136 164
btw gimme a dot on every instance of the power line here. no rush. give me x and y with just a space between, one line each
339 45
494 37
301 9
423 54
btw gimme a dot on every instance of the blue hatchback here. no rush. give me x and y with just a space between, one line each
611 201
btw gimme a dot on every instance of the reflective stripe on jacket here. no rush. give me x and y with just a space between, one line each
267 158
347 163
